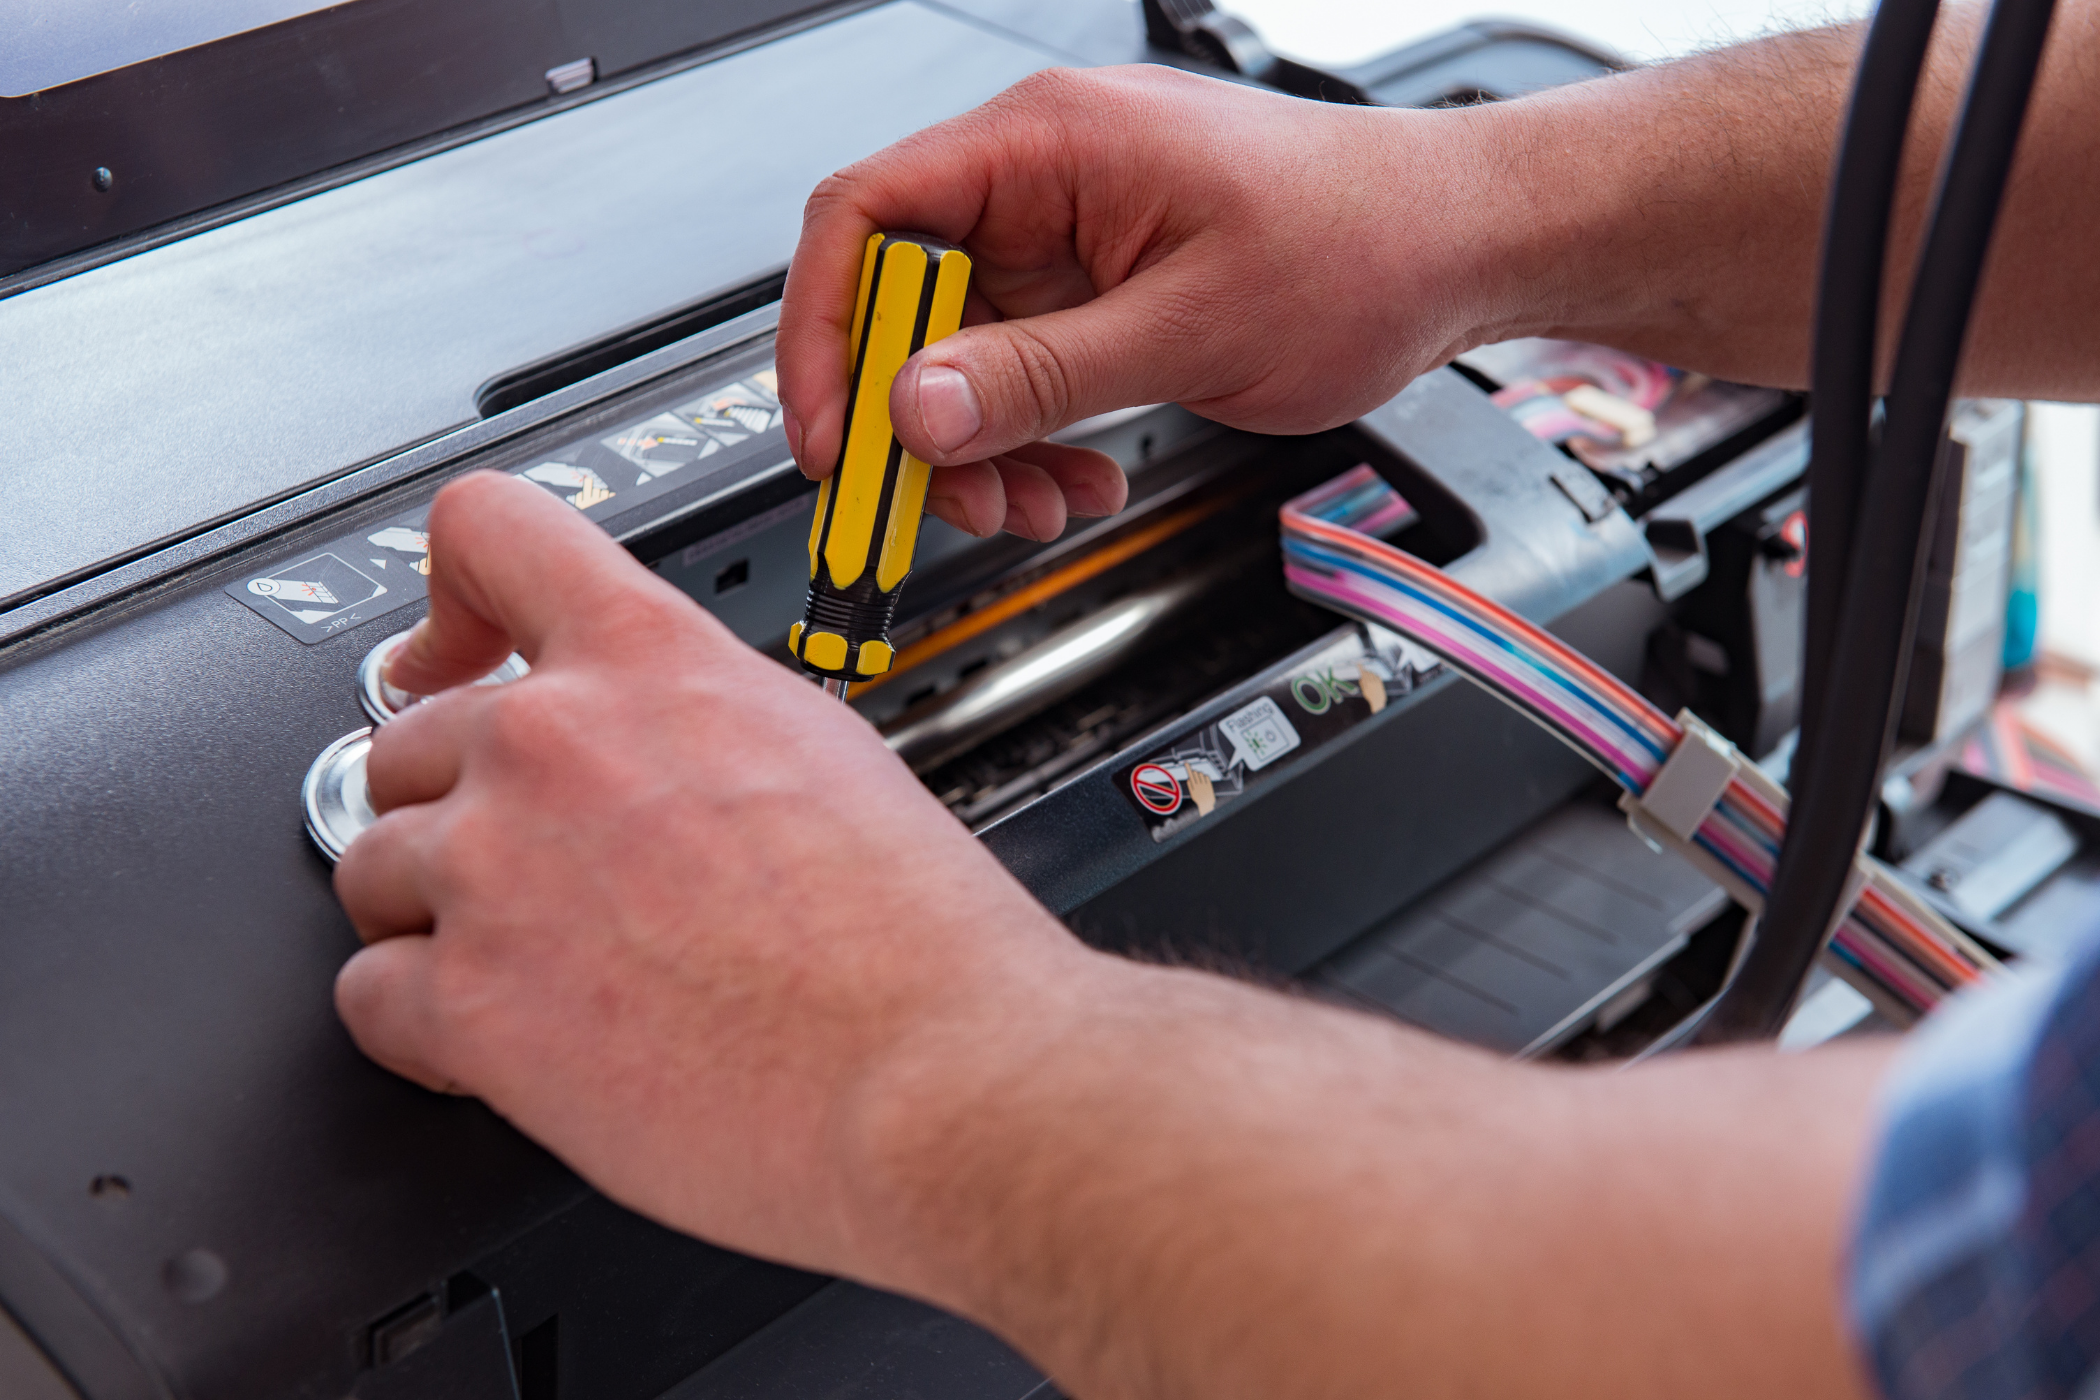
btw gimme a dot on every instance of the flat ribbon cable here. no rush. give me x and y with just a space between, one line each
1685 787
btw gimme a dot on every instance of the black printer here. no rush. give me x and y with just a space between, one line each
267 283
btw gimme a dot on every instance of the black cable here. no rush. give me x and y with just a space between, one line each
1848 317
1841 374
1883 574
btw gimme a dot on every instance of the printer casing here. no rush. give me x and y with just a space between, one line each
205 1191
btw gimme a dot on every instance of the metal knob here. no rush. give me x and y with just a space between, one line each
383 701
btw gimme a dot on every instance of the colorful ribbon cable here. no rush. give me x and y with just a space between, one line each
1889 938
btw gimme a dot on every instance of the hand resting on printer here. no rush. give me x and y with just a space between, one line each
688 923
694 928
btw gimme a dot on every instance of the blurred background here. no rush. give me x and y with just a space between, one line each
1348 31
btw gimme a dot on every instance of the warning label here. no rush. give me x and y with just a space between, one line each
1186 778
1156 789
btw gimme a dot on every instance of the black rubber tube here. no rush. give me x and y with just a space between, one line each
1848 317
1834 792
1841 395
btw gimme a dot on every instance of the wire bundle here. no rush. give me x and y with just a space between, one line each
1890 939
1562 398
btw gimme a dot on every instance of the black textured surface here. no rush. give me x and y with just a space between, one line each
172 940
630 1308
25 1372
1518 951
250 360
468 1358
852 1343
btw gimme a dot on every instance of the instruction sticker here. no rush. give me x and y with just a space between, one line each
314 590
740 411
662 445
579 486
1259 734
378 570
1187 778
345 582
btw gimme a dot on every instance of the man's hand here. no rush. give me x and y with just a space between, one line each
661 903
694 928
691 926
1142 235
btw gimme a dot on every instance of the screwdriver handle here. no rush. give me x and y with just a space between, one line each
868 509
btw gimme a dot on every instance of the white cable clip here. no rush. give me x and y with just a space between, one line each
1684 794
1692 781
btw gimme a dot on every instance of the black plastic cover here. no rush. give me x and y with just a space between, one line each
209 124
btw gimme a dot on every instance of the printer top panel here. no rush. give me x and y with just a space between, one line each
194 381
63 41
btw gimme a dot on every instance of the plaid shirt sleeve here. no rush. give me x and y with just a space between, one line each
1975 1271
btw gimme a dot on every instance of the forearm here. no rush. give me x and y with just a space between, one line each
1176 1185
1677 211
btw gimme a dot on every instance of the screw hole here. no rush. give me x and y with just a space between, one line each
109 1188
196 1276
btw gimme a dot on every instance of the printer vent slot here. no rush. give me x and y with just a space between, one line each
580 362
539 1361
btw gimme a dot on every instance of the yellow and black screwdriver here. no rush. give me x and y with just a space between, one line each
867 525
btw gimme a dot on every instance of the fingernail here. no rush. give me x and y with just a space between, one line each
1086 500
948 407
418 638
789 421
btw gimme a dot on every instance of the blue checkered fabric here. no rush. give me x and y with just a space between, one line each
1976 1266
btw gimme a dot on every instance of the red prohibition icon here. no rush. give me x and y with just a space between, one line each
1156 788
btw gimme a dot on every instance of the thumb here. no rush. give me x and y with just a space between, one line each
988 389
511 568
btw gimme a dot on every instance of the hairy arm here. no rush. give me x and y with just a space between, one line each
1283 265
1676 211
691 925
810 1017
1189 1188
